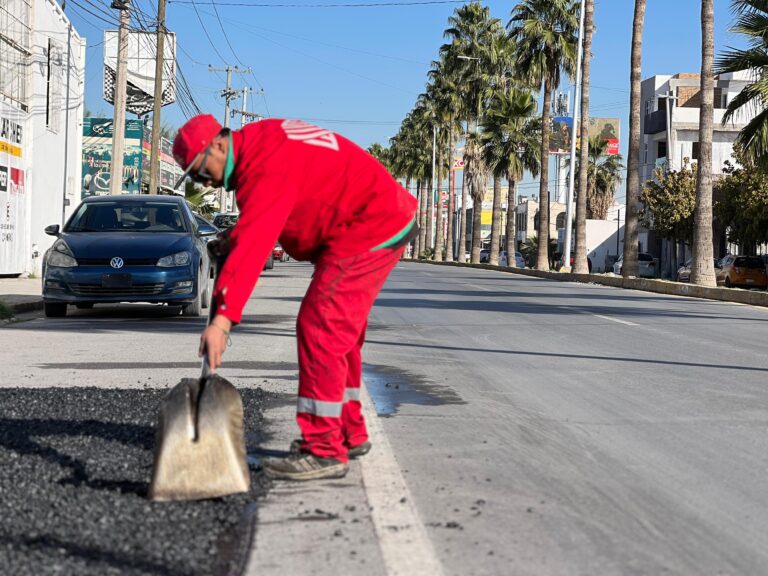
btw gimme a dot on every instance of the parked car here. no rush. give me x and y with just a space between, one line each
742 271
129 248
559 258
279 253
684 272
485 256
646 265
225 221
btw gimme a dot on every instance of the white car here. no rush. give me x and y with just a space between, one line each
646 265
519 260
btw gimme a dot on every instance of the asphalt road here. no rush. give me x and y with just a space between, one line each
526 427
558 428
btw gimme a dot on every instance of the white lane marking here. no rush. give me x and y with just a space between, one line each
627 322
405 545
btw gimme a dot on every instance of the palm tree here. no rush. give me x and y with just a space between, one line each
580 262
630 266
471 32
603 177
545 34
752 22
702 267
380 153
511 136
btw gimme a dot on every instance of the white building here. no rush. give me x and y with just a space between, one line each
669 125
42 59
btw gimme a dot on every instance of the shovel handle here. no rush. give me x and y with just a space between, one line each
212 308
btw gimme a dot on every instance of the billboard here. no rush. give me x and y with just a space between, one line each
13 202
169 172
607 129
97 156
142 48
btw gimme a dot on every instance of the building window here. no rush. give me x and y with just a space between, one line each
647 107
661 149
646 153
15 34
695 151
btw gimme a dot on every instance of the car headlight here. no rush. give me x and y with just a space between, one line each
61 256
178 259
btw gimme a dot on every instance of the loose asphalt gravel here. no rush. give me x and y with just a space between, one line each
75 465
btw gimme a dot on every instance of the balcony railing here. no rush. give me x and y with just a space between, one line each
655 122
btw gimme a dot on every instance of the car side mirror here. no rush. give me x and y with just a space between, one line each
52 230
207 231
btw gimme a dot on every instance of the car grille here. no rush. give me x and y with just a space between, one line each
126 261
135 290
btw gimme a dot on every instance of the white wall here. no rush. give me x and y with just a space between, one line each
52 176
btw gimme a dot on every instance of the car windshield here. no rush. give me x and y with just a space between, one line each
127 217
749 262
225 221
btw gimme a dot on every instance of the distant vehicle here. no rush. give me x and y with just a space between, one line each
129 248
485 256
684 272
225 221
559 258
279 253
646 265
742 271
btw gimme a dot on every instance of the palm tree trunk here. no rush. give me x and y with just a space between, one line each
430 195
439 220
542 256
580 263
629 267
511 222
477 226
422 218
413 243
451 201
493 257
463 224
702 267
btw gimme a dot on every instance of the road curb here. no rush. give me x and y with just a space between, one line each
21 304
736 295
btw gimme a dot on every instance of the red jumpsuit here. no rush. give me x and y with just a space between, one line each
329 202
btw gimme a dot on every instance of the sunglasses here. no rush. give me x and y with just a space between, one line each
201 174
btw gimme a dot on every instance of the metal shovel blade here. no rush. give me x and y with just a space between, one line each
200 449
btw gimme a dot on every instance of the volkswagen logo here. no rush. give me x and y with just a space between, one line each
116 262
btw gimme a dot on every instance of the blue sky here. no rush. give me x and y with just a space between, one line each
359 70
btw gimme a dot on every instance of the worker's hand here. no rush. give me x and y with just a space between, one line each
214 339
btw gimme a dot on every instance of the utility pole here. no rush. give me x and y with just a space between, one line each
157 104
245 116
118 122
569 195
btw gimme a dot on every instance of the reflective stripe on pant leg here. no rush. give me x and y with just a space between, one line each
320 407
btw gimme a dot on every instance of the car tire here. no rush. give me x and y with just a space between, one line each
728 282
84 305
195 307
55 309
208 294
270 263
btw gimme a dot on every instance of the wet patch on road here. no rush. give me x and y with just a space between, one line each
391 387
76 464
231 365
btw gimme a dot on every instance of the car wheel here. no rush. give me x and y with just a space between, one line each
270 263
84 305
55 309
194 308
208 294
728 282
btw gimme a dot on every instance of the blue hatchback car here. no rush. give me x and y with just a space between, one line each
129 248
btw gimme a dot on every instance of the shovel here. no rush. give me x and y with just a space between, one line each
200 449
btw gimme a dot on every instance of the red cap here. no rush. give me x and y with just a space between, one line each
193 138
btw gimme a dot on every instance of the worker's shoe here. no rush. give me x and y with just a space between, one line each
304 466
354 452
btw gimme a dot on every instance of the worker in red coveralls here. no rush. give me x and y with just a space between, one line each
329 202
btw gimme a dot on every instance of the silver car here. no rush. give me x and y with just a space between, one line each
646 265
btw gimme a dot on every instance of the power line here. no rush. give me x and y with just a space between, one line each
349 5
205 31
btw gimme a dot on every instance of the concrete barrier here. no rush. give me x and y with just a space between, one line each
751 297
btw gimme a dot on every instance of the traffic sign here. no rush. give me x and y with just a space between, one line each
458 164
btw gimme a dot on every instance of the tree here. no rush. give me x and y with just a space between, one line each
603 177
630 265
668 203
752 22
580 262
380 153
202 199
742 206
702 266
545 35
511 136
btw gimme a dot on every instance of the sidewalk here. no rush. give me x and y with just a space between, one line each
19 295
